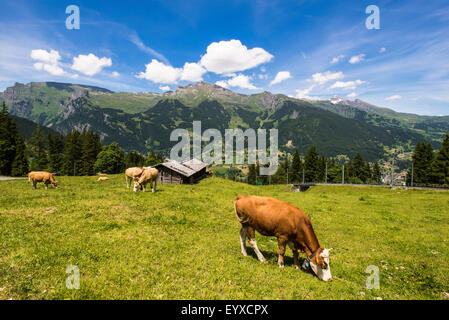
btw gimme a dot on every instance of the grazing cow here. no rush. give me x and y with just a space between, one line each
149 175
132 174
102 179
289 224
45 177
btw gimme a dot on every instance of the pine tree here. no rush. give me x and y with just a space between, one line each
19 165
311 165
359 168
90 148
422 159
55 152
72 154
367 173
280 177
377 175
440 166
134 159
252 174
38 150
7 142
296 174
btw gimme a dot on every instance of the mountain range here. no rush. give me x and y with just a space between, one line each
143 121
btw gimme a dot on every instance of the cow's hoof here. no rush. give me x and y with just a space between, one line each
281 265
244 254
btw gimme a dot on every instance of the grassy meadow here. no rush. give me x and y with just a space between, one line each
182 242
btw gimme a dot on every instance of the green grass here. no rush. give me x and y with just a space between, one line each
183 242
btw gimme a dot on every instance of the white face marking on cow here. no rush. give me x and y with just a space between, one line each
323 274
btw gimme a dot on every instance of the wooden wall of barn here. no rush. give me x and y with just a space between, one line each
169 176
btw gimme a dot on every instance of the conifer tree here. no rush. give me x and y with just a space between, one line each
252 174
422 159
134 159
296 174
440 166
19 165
38 150
377 175
311 165
72 154
90 148
359 168
55 152
7 142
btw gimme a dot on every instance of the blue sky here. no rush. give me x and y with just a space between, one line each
306 49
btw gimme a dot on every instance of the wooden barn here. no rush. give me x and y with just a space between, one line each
190 171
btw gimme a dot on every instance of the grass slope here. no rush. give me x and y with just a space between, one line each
182 242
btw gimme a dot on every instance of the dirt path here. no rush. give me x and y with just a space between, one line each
10 178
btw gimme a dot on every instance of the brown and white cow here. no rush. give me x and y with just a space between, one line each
41 176
289 224
132 174
149 175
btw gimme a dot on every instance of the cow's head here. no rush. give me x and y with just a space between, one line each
136 186
55 184
320 265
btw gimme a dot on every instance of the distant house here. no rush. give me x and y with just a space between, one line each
171 171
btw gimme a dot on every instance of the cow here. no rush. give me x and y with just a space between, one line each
289 224
102 179
149 175
132 174
45 177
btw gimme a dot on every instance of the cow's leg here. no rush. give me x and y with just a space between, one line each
295 254
34 184
155 184
46 185
282 242
127 182
243 240
252 240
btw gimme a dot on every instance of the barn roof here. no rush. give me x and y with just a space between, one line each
187 168
194 164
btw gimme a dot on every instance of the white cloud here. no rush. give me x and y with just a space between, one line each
164 88
90 64
115 74
352 95
159 72
48 61
263 76
192 72
322 78
382 50
357 59
241 81
337 59
304 94
232 56
281 76
395 97
222 83
347 85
